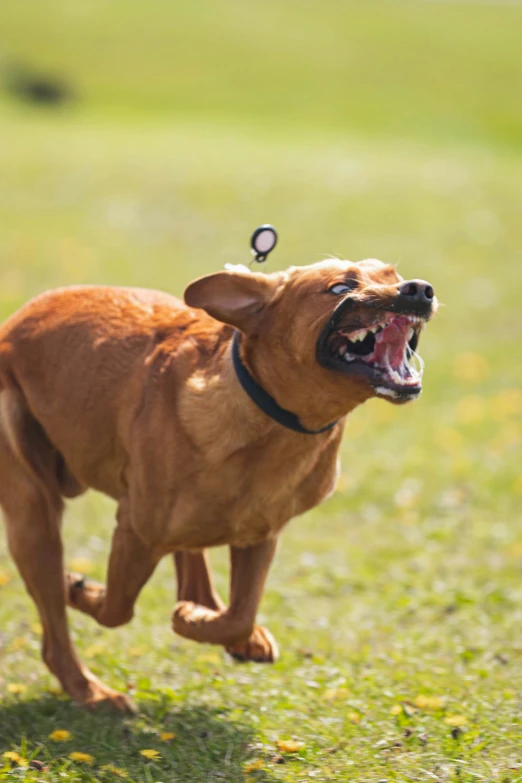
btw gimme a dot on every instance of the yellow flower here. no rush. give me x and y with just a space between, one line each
456 720
4 578
333 694
449 439
83 758
289 746
81 564
471 367
60 735
94 649
212 658
150 754
15 758
136 652
470 409
396 709
11 755
16 687
355 717
428 702
121 773
507 403
167 735
253 766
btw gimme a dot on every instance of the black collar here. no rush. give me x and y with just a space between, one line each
264 401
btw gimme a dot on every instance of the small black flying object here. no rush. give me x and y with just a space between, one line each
262 242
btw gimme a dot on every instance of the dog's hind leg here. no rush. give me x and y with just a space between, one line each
195 581
233 627
32 505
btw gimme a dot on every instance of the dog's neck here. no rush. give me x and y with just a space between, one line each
264 400
222 418
313 403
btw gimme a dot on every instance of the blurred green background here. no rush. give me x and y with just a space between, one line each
390 129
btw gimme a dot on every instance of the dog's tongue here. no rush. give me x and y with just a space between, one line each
390 343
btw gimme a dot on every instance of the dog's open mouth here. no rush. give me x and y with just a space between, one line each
384 352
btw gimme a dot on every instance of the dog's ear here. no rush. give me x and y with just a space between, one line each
232 297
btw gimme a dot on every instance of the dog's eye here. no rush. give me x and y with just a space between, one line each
342 288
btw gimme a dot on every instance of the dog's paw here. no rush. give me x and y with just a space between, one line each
189 620
97 695
111 699
261 647
83 594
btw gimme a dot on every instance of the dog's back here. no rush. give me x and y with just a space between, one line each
72 363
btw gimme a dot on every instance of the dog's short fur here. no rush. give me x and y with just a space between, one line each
133 393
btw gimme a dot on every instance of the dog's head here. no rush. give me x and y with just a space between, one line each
340 330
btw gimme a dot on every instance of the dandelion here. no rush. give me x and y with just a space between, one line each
471 367
121 773
449 439
428 702
289 746
60 735
333 694
167 735
470 409
456 720
82 758
16 688
4 578
150 754
81 564
396 709
11 755
254 765
15 758
94 650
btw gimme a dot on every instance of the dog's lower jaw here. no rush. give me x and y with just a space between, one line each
397 397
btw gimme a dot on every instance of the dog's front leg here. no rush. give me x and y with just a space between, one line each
131 563
234 627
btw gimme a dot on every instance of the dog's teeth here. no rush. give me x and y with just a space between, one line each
411 332
357 338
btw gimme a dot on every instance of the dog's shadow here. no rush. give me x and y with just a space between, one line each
209 743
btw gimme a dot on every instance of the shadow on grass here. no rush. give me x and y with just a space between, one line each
209 744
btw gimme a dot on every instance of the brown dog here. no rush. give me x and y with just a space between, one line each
209 423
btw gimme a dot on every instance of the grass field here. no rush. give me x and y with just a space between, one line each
380 129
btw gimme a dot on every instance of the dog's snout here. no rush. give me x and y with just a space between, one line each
419 291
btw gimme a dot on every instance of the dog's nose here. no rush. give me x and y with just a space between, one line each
420 291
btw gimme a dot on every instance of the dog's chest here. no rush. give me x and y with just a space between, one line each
251 497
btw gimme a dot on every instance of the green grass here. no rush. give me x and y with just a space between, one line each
407 583
424 70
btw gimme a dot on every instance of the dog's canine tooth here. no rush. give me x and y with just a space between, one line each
359 336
